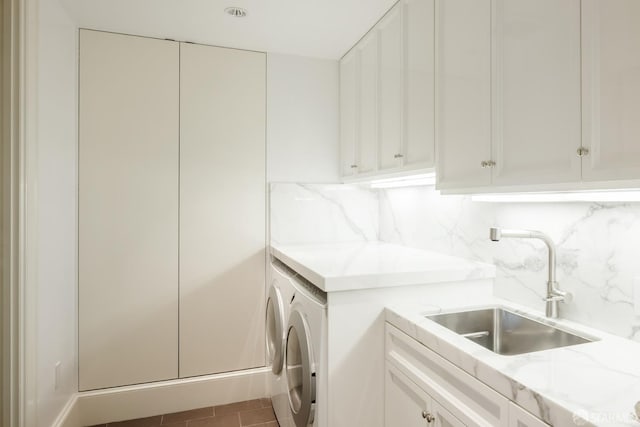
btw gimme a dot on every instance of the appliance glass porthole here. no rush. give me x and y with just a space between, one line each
275 330
300 370
294 370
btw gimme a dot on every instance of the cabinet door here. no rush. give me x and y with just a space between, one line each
348 113
127 210
536 84
367 148
222 209
518 417
406 404
390 100
611 89
419 70
444 418
463 85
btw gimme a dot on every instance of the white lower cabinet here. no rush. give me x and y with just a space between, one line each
423 389
407 405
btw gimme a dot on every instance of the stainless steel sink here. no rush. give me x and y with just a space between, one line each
506 333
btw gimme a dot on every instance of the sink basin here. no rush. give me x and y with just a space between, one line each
506 333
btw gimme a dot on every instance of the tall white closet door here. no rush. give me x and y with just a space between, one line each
222 209
536 83
463 92
611 89
128 210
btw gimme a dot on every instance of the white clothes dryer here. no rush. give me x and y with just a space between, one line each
306 356
279 296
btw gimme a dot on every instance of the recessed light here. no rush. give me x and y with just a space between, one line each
236 12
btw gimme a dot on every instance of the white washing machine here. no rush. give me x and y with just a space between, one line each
279 296
306 356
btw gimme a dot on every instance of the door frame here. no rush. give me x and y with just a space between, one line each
18 146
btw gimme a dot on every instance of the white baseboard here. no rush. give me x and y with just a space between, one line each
70 414
145 400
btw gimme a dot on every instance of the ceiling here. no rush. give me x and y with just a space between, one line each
316 28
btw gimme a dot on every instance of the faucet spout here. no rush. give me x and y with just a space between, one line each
554 294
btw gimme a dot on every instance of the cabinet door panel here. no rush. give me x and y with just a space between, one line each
463 98
390 100
404 401
128 210
222 209
368 104
536 83
419 58
348 113
611 87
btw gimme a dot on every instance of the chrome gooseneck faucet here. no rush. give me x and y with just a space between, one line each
554 294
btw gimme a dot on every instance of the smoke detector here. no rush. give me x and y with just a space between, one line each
236 12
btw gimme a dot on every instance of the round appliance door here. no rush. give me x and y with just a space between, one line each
275 329
301 375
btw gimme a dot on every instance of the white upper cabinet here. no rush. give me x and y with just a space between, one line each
348 114
463 92
387 94
536 91
368 104
391 89
419 90
611 89
562 80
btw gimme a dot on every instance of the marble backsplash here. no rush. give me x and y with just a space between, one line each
598 248
322 213
598 243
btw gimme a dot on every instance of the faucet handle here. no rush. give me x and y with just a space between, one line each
561 296
568 297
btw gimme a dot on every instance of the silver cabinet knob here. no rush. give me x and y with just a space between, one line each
398 156
487 164
582 151
427 416
353 166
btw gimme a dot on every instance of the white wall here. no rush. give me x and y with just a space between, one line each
302 119
56 203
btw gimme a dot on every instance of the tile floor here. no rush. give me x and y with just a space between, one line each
254 413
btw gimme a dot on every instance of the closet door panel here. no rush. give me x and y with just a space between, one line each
222 209
128 210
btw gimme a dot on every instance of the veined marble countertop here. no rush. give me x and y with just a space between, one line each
364 265
593 384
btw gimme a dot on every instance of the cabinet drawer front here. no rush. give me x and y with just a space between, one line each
518 417
471 401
